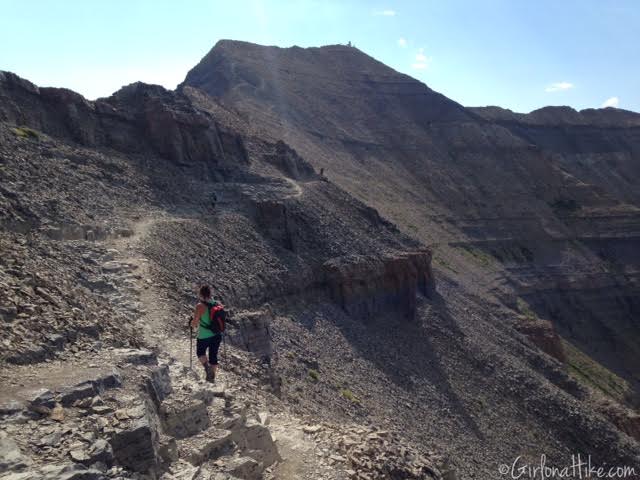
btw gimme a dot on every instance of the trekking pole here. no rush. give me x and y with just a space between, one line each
224 346
190 347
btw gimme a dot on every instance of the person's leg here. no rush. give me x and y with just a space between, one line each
213 352
201 352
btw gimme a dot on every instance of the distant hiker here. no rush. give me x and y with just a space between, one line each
322 172
214 200
209 318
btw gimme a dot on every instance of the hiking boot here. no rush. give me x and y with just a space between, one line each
208 370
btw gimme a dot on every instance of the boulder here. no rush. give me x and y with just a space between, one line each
245 468
250 331
101 452
184 417
108 381
543 334
90 388
137 446
366 286
11 408
44 398
257 437
158 384
77 392
207 445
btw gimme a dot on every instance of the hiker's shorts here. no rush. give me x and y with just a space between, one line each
213 344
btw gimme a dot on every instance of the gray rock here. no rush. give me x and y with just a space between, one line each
11 458
168 449
184 418
11 408
57 342
235 424
70 472
101 409
83 390
258 437
8 314
138 357
137 447
264 418
182 471
21 476
109 380
51 440
245 468
207 393
44 398
210 444
100 452
79 456
158 384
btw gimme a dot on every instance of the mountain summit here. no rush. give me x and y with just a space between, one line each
336 90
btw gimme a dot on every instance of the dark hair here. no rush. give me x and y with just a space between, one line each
205 291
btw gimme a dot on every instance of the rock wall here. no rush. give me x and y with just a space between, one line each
83 431
137 118
366 286
250 331
287 160
543 335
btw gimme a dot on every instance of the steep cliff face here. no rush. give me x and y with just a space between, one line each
543 206
138 118
368 288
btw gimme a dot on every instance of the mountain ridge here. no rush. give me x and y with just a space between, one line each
512 334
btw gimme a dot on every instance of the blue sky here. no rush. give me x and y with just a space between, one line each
518 54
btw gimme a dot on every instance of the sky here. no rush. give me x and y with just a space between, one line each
517 54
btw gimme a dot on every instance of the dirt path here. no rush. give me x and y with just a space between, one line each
297 189
302 459
155 311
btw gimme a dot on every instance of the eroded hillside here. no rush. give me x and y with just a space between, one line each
362 358
538 210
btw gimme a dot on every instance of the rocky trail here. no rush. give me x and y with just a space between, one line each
140 412
206 428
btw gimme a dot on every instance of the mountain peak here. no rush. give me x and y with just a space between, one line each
335 90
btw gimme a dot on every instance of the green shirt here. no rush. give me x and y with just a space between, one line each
204 330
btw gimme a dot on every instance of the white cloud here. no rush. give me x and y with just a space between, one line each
402 42
559 87
422 62
611 102
385 13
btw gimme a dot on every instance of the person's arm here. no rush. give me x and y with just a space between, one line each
196 315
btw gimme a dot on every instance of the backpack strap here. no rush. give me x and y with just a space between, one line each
207 306
213 309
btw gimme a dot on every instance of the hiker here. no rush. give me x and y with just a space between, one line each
214 200
208 317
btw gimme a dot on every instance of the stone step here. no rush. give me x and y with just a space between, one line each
207 445
239 467
184 417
